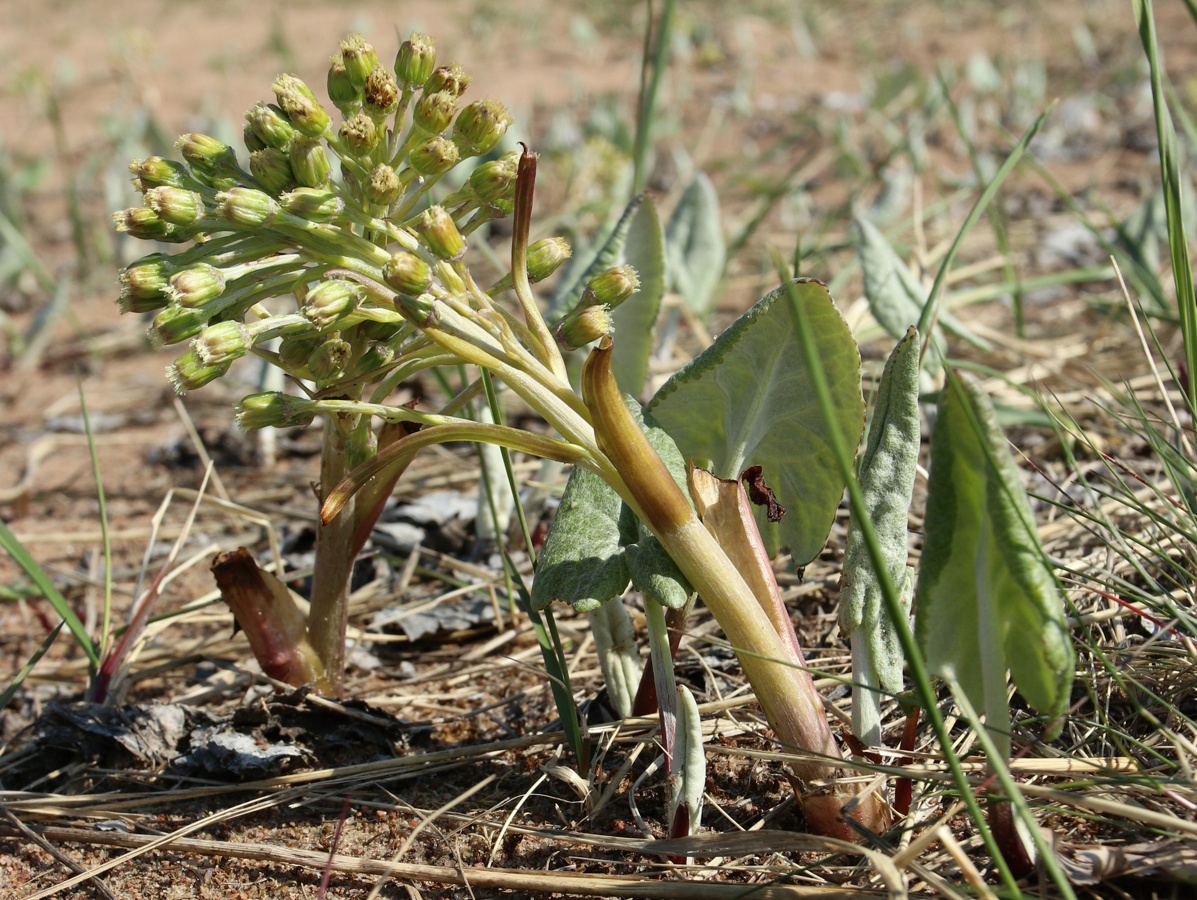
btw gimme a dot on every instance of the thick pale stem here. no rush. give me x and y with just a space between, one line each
330 582
785 692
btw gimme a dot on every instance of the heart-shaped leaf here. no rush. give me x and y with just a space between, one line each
748 400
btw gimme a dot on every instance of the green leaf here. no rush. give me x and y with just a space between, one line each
582 562
596 545
748 400
987 599
636 319
887 471
695 246
895 296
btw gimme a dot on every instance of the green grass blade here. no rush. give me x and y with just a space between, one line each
105 538
1170 175
931 310
37 575
11 690
656 56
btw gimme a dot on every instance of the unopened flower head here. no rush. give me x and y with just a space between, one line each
583 326
384 186
314 204
309 162
360 133
301 106
246 207
272 169
154 171
434 113
274 409
440 235
178 323
345 95
480 127
407 273
142 222
177 206
190 373
380 95
212 162
452 78
545 256
294 352
612 287
270 125
195 286
147 278
434 157
330 358
415 61
493 182
221 344
330 301
360 58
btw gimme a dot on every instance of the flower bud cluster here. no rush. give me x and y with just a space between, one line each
325 233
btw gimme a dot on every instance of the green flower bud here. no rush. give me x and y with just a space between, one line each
360 133
439 233
220 344
330 301
452 78
154 171
310 162
545 256
252 142
611 288
380 94
294 351
582 326
434 157
146 279
175 205
190 373
480 127
329 359
493 182
434 112
272 168
246 207
407 273
345 95
195 286
212 162
270 125
359 57
384 186
415 61
382 332
142 222
373 359
178 323
314 204
273 409
301 106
